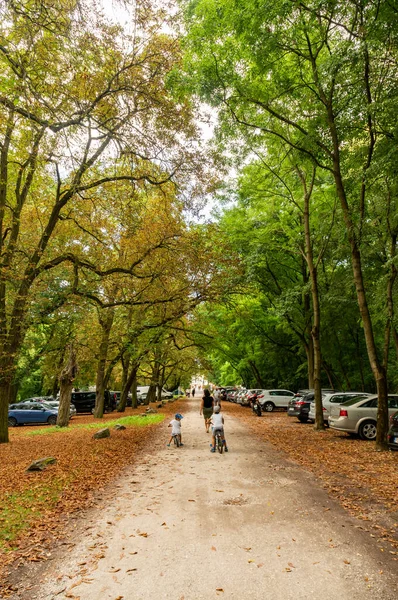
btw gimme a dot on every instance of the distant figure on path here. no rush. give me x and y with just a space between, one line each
193 392
217 395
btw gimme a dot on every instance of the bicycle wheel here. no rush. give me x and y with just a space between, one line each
219 444
177 441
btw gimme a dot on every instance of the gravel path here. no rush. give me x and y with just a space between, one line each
188 524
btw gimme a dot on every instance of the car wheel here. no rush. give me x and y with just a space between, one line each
303 419
52 420
367 430
12 422
269 406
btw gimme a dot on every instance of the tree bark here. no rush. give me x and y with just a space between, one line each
132 376
316 310
106 323
66 379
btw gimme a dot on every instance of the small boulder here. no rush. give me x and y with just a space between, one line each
102 433
119 427
151 411
41 463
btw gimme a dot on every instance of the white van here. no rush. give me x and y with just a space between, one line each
142 391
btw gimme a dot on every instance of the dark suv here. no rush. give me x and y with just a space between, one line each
85 402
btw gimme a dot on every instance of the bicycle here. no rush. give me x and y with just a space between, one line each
219 441
176 439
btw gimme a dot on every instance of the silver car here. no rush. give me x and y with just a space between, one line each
359 415
55 404
328 400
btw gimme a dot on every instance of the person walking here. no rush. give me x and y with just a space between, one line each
206 408
193 392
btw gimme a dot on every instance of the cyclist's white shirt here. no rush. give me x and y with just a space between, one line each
216 420
175 427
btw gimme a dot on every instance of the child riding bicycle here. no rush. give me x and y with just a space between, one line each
217 422
175 424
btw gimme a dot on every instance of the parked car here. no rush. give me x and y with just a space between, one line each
31 412
231 396
392 436
142 392
248 394
251 396
300 405
83 401
115 398
55 404
239 397
359 415
329 399
39 399
271 399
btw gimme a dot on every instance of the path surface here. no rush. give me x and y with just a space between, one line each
189 524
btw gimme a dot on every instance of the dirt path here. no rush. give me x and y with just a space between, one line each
189 524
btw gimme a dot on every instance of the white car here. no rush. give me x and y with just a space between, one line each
328 400
142 392
271 399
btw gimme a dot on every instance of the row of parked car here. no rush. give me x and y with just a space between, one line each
269 399
352 412
44 409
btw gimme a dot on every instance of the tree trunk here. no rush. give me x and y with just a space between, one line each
151 395
126 388
4 397
134 400
66 379
316 311
378 370
106 325
13 392
259 381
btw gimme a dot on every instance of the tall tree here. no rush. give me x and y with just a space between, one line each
74 120
319 77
